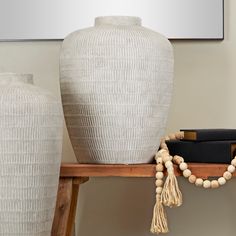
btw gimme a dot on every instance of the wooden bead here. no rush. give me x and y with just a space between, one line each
158 154
221 181
175 157
168 164
206 184
164 146
159 160
166 158
162 140
227 175
158 190
179 135
159 175
172 136
199 182
192 179
170 169
231 168
214 184
233 162
183 166
178 159
159 182
161 152
187 173
159 167
167 138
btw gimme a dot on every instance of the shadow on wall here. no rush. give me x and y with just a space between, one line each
123 207
116 206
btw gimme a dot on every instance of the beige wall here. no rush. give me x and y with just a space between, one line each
203 96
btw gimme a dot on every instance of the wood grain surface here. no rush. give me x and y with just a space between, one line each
202 170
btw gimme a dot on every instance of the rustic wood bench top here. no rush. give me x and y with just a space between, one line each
73 174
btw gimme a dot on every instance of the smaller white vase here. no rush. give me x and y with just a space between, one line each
30 156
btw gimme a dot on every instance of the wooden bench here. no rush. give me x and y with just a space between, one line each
72 175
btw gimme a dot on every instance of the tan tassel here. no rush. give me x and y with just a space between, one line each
159 220
171 195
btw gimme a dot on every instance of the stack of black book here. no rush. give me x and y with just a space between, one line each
205 145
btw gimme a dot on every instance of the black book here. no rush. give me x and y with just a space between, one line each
209 134
203 152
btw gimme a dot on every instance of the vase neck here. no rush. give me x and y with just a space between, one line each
8 78
118 21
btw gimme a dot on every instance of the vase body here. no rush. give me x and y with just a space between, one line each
30 156
116 83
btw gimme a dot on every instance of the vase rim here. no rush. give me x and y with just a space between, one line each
8 77
118 20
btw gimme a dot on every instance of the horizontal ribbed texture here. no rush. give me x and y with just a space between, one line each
116 84
30 156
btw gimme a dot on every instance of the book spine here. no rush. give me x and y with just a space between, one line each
209 134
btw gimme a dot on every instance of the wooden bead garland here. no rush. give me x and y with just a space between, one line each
178 160
206 183
214 184
221 181
199 182
183 166
159 167
187 173
233 162
231 168
227 175
159 221
159 182
168 193
192 179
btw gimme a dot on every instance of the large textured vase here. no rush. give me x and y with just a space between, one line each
30 156
116 84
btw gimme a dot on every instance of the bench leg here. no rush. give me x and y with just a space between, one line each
65 211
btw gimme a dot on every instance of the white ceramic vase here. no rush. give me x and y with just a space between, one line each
116 83
30 156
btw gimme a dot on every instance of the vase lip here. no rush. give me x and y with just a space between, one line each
9 77
118 20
